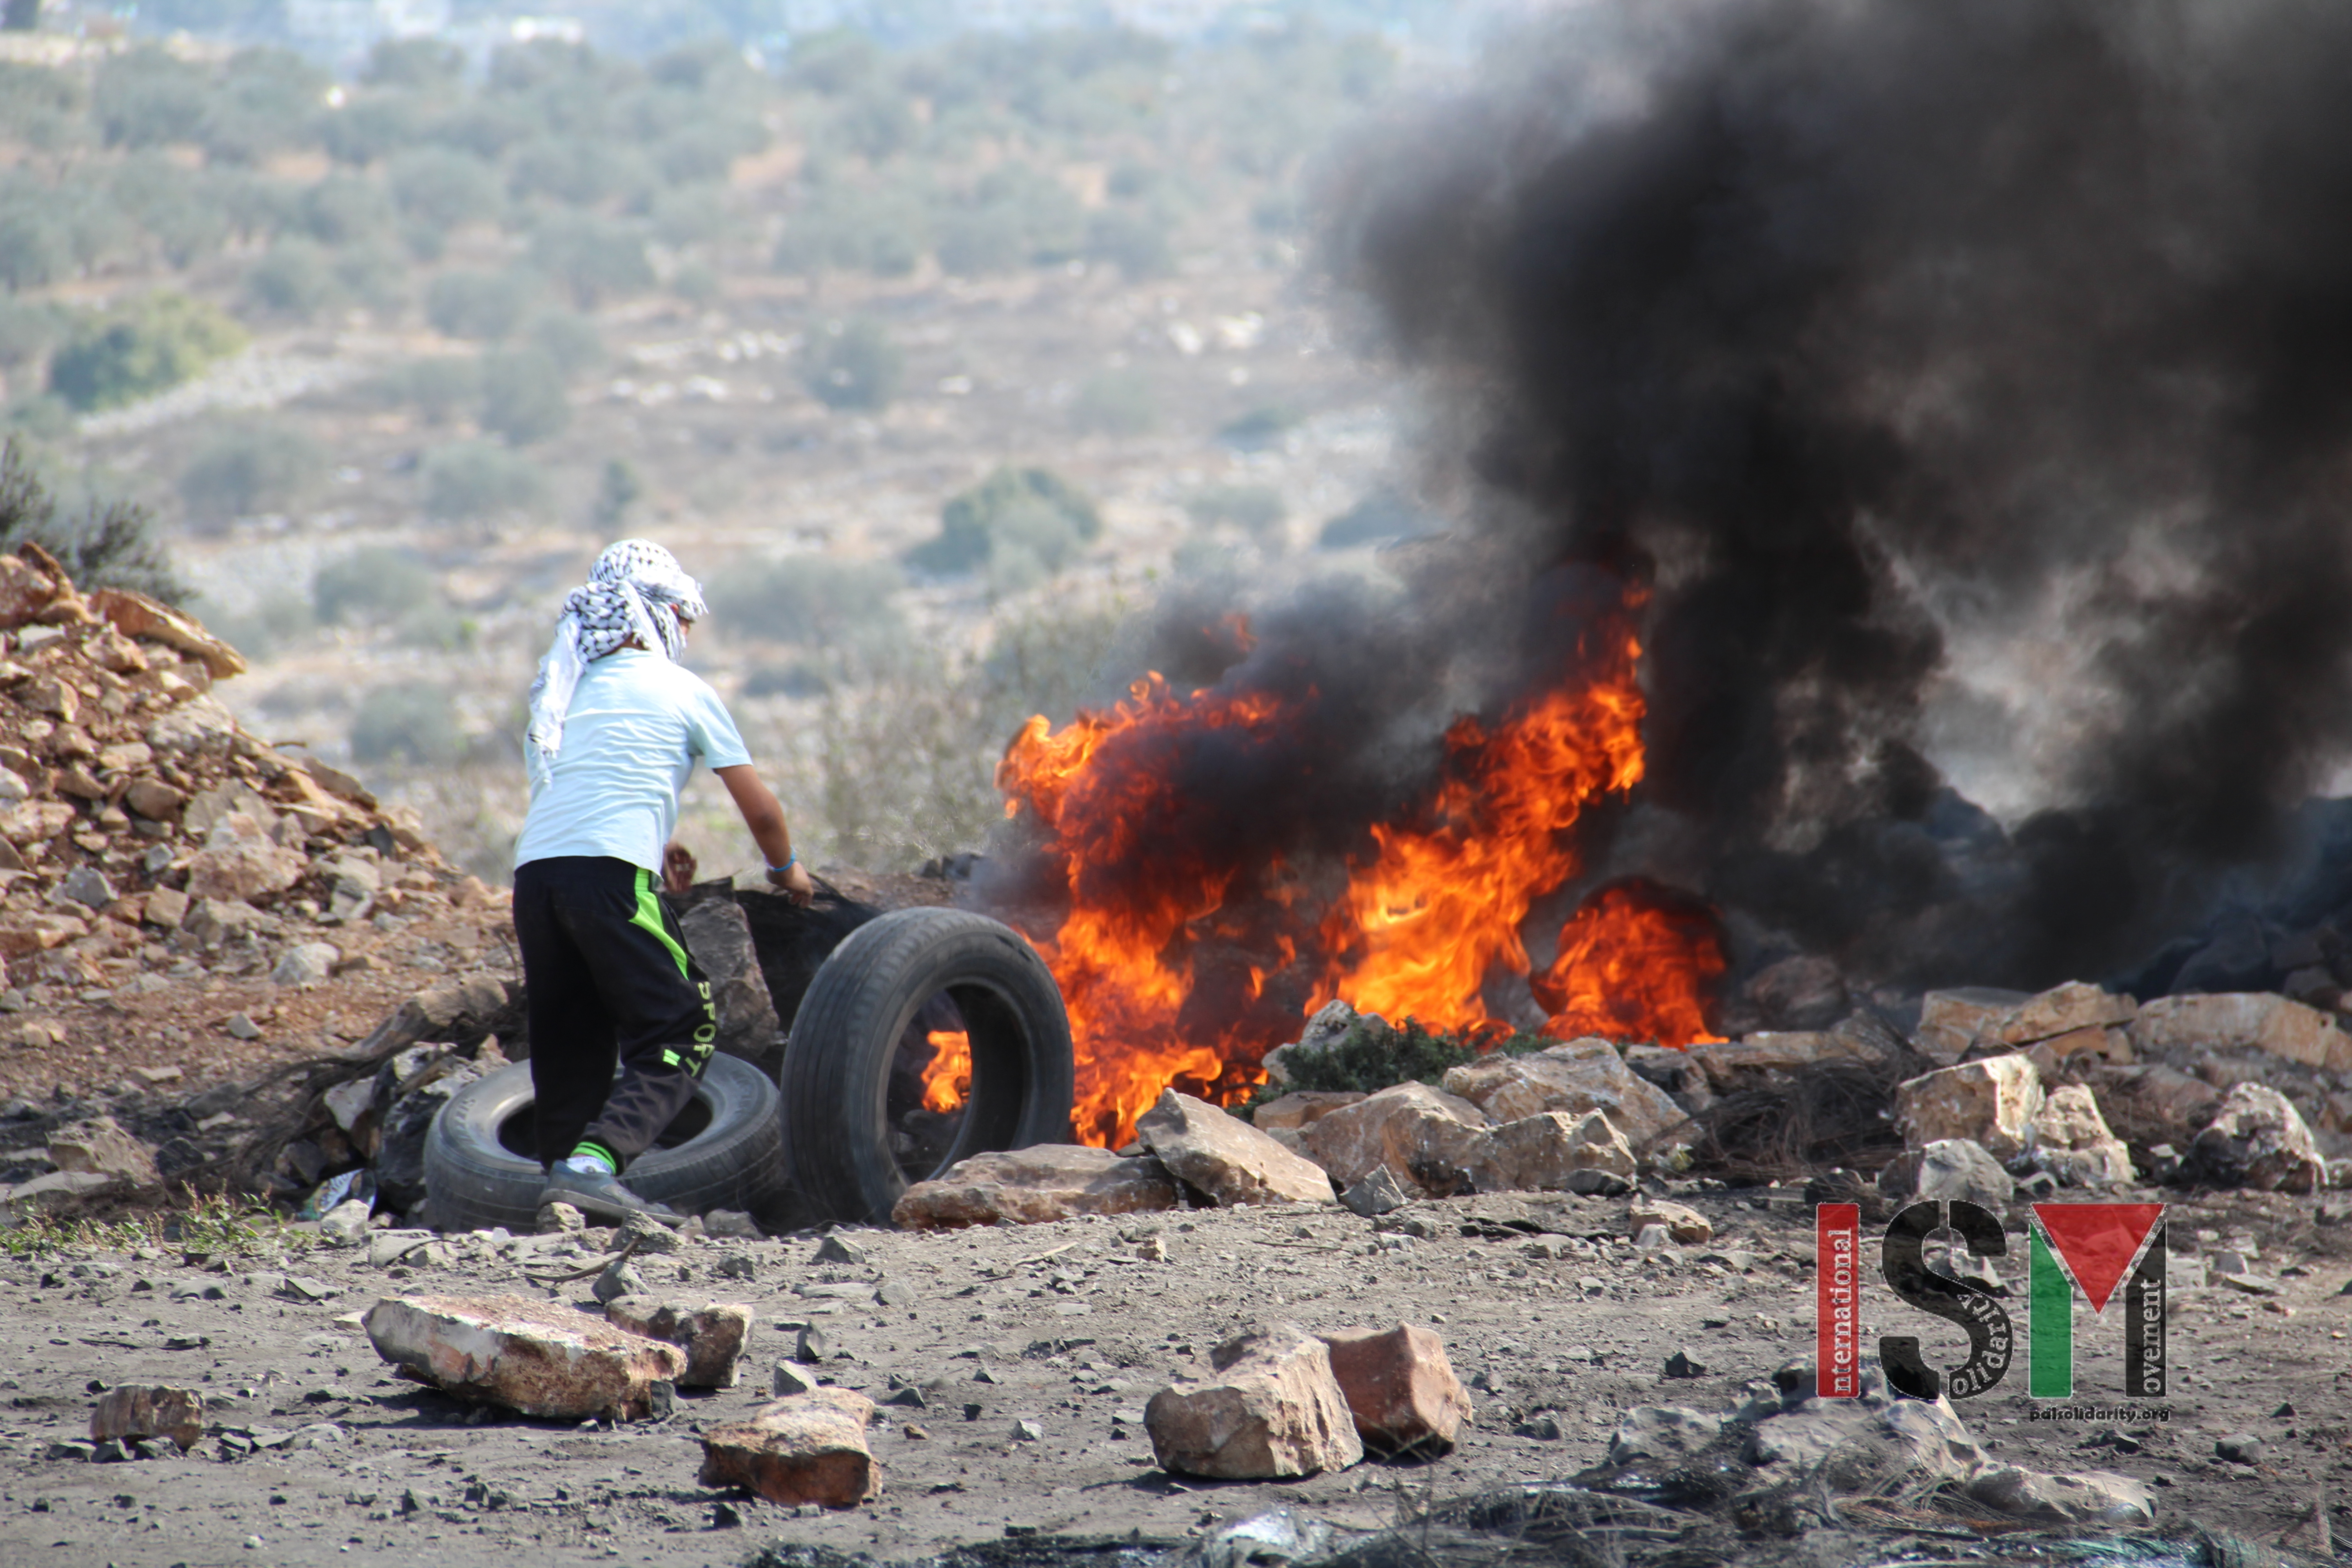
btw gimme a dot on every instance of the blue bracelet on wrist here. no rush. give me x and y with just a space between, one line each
790 860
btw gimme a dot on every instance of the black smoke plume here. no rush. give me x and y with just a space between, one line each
1870 346
1861 329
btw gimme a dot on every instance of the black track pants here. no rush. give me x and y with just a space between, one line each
609 980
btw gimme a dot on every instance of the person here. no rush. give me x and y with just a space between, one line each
617 724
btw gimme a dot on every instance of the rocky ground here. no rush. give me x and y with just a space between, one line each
1557 1322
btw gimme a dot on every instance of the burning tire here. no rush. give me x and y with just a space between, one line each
930 1036
480 1169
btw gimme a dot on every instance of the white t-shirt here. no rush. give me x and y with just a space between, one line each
637 725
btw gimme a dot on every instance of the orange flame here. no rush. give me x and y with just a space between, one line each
1634 964
1160 902
947 1080
1121 979
1419 929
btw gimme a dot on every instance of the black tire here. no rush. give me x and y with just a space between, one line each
837 1063
722 1152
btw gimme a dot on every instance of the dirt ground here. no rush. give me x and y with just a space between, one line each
1066 1326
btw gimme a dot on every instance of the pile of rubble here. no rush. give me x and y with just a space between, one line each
2076 1088
158 865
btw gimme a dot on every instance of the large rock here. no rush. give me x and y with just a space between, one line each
1952 1021
1427 1139
26 932
713 1336
541 1357
1683 1225
1231 1161
200 727
2061 1010
2089 1497
2284 1029
719 936
240 862
132 1411
101 1146
137 615
1991 1102
806 1448
2261 1142
1274 1410
1739 1064
1301 1108
1400 1388
1574 1077
1950 1170
2073 1142
1554 1152
1031 1186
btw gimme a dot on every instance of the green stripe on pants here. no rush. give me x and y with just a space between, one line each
2049 1373
648 915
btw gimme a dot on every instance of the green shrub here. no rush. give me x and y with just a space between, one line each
373 585
1253 509
410 721
876 122
442 188
594 258
522 396
345 209
438 388
372 126
692 215
262 468
101 544
815 601
1134 241
471 481
1011 518
833 61
981 242
415 62
35 246
28 330
618 490
699 153
1115 403
174 205
884 232
569 340
853 365
1384 514
578 171
138 350
1013 214
294 279
376 275
480 305
1373 1056
145 98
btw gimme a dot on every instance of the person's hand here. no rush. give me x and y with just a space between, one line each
678 869
795 881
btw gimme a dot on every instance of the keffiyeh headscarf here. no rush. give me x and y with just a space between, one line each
613 609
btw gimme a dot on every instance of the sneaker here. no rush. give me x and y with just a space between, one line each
603 1196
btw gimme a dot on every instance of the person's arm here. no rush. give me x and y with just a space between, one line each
764 816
